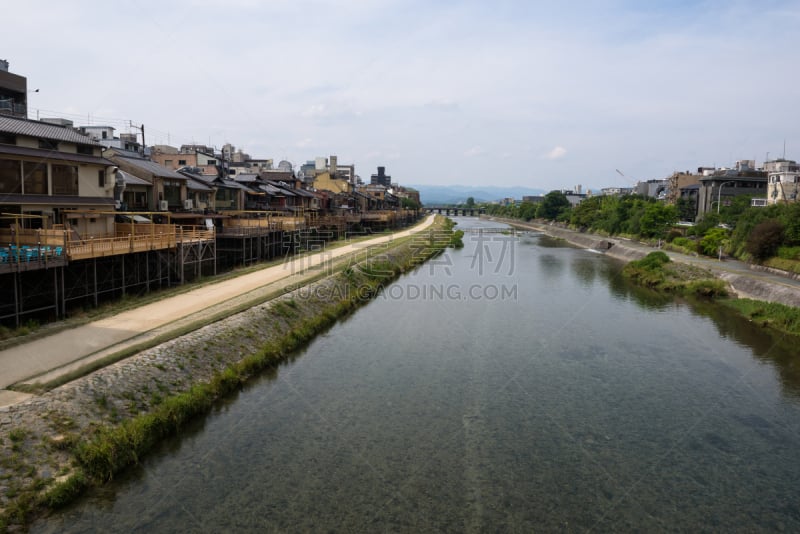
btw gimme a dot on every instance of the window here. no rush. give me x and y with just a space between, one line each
34 178
65 180
7 139
181 162
9 177
101 178
48 144
212 162
135 199
87 150
105 134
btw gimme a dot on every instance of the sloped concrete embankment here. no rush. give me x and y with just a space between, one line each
749 286
614 248
54 445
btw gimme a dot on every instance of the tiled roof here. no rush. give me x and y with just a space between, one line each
129 179
43 130
148 166
233 184
57 200
272 190
41 154
197 185
304 193
246 178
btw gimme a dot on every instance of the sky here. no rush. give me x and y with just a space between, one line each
547 95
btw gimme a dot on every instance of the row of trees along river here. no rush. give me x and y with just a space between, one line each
768 235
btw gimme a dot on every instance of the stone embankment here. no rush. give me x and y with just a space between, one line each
745 281
40 439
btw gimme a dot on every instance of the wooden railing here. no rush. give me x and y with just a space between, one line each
31 237
97 247
291 223
194 234
328 220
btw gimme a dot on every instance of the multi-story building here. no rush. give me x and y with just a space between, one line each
722 185
192 156
616 191
47 172
783 181
381 178
13 93
104 135
679 180
167 189
652 188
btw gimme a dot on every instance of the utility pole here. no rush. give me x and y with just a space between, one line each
141 129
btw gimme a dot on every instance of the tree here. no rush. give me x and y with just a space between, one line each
764 240
588 213
554 204
527 211
687 209
656 218
409 203
471 202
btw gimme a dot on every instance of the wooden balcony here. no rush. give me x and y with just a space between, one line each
30 258
128 238
98 247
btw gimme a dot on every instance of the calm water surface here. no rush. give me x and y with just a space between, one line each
514 385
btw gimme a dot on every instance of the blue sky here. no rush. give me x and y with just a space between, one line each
540 94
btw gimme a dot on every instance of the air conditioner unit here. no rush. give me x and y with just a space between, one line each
163 205
118 204
188 204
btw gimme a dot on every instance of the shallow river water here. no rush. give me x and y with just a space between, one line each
517 384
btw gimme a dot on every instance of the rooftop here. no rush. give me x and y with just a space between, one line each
43 130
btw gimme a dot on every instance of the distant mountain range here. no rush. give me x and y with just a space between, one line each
455 194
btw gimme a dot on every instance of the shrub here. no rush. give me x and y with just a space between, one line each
673 235
684 242
789 253
652 261
706 288
764 240
714 239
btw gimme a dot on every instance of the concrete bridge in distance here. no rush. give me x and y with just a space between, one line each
455 210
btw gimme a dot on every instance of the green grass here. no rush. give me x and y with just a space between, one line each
658 272
772 315
783 264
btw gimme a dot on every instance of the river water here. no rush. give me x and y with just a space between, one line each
517 384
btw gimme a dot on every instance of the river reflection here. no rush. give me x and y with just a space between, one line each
576 402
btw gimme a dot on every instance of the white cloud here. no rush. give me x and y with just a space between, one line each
557 153
444 104
616 82
315 111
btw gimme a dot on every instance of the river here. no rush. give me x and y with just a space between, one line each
517 384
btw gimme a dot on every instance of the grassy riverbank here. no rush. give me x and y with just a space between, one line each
656 271
785 319
84 433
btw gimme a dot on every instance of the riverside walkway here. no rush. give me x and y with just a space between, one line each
46 358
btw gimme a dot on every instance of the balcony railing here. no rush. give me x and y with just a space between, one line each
128 239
